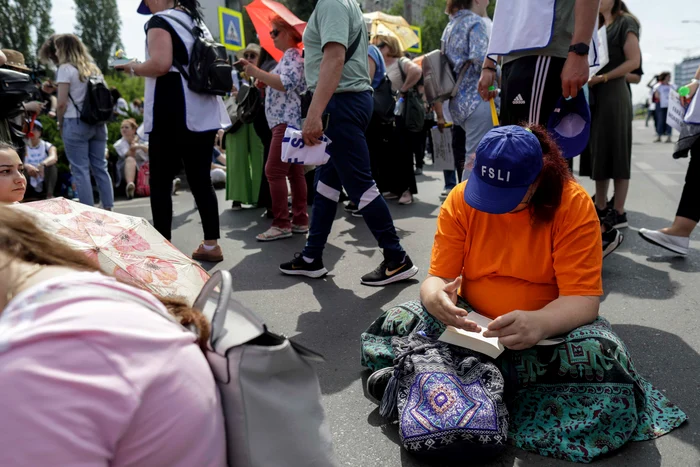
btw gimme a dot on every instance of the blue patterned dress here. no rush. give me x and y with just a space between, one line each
465 42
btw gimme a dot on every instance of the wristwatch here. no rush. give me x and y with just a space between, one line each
579 49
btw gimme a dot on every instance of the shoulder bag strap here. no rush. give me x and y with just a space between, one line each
353 47
462 72
187 27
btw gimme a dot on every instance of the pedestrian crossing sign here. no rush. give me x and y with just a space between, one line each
231 31
416 48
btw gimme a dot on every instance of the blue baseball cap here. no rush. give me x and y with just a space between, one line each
570 125
508 161
143 9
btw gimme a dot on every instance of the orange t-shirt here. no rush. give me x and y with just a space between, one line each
507 263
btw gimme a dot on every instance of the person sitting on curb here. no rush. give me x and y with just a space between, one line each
40 165
133 153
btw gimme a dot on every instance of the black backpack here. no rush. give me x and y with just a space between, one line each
414 109
384 101
98 106
209 71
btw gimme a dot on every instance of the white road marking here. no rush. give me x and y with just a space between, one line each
664 179
644 166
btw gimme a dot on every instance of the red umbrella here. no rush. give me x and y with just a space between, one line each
261 13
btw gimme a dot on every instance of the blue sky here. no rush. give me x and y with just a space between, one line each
662 30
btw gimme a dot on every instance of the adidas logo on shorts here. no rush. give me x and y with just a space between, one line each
518 99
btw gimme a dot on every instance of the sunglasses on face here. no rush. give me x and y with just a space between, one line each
274 33
381 45
250 56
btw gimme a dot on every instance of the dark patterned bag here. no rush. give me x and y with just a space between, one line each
449 400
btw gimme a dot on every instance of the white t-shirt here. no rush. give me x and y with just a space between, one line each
664 90
121 107
67 73
122 147
36 155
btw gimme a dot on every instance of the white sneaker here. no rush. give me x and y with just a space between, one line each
130 190
678 245
406 198
176 185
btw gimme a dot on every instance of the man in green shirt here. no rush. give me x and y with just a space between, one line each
337 73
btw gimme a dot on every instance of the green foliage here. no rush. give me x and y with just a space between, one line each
20 22
98 28
130 88
396 9
301 8
490 9
434 22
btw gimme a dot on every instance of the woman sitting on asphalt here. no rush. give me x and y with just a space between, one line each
283 107
133 153
109 380
40 165
520 242
13 183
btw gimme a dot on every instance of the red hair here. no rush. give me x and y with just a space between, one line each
554 176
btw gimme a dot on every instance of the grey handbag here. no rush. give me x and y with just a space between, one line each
438 78
269 391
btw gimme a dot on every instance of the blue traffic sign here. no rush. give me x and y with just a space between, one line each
231 32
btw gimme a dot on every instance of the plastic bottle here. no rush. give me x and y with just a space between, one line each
683 91
398 110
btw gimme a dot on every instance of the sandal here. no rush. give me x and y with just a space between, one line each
274 233
300 229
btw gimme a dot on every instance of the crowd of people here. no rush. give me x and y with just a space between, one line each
542 283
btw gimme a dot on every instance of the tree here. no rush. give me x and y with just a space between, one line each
19 21
98 28
397 9
44 30
434 22
301 8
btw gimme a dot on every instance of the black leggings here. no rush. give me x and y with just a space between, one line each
167 151
689 207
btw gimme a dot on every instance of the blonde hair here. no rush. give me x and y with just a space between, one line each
392 43
132 123
71 50
279 23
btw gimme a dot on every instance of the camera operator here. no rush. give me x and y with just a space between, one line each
13 119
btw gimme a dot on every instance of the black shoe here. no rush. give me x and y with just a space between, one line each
351 207
616 220
377 383
602 213
390 271
299 267
611 240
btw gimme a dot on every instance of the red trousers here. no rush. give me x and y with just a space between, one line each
277 173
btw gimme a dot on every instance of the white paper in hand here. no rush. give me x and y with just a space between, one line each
295 151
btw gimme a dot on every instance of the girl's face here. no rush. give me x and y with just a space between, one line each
127 131
12 181
606 5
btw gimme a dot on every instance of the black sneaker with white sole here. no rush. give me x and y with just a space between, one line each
377 383
612 239
299 267
617 220
351 207
389 272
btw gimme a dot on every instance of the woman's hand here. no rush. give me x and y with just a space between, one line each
693 89
595 79
517 330
441 124
33 107
442 305
248 68
487 79
127 66
31 170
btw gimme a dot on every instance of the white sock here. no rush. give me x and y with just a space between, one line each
208 247
308 260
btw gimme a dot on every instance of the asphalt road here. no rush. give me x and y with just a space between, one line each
651 298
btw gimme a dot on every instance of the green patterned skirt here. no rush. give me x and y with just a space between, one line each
574 401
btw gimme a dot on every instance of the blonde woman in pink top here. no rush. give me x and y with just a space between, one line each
91 371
